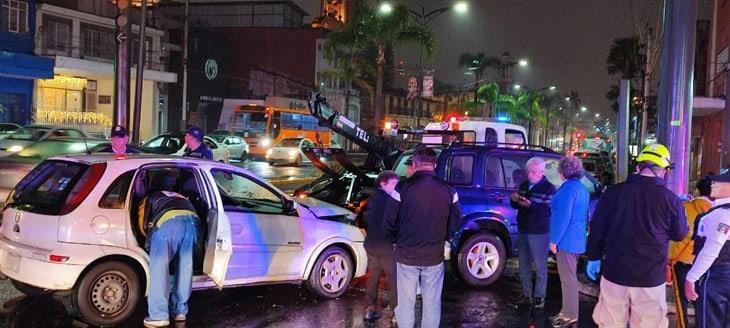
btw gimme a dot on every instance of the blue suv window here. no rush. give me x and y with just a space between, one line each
461 170
514 169
494 176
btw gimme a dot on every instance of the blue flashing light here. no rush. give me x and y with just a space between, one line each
503 119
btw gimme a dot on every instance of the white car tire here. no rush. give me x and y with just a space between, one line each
107 294
332 273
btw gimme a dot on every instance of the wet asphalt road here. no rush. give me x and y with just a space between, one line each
293 306
280 172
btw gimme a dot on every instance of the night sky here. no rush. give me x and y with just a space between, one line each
565 41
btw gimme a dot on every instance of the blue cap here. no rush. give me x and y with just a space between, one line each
119 131
196 132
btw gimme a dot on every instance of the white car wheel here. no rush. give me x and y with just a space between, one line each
332 273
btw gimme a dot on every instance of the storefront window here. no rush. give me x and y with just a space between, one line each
72 101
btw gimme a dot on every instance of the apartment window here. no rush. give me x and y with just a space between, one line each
56 36
97 7
97 42
17 16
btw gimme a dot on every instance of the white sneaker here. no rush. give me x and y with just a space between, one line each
180 318
155 323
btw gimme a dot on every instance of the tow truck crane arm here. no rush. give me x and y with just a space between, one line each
376 146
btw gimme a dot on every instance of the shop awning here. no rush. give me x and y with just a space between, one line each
22 66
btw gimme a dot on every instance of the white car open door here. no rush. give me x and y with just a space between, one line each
218 248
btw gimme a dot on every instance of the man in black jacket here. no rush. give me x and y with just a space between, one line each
629 238
533 226
422 214
381 260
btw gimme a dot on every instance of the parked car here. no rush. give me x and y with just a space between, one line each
289 151
599 164
174 144
235 144
28 135
76 216
7 128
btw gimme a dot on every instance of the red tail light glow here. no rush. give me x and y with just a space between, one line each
58 258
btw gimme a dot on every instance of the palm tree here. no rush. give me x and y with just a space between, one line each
478 64
627 58
368 28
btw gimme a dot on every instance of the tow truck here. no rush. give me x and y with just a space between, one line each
484 173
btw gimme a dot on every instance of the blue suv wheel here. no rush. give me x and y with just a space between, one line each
481 259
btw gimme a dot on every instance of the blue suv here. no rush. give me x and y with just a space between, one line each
485 177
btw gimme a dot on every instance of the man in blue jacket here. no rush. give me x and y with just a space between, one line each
629 237
533 223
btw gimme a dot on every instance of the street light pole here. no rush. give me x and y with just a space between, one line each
186 28
140 73
675 88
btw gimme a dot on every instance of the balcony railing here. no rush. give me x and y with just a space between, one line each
104 51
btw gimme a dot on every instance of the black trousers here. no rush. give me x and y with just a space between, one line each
382 262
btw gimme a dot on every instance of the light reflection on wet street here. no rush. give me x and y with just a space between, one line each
290 306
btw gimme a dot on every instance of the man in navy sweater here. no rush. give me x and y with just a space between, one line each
629 237
533 225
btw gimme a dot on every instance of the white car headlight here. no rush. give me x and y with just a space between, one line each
266 142
15 149
292 153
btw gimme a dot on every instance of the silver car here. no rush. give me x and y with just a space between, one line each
31 134
288 151
235 144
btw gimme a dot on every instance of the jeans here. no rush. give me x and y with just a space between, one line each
569 287
382 262
713 306
681 270
172 241
432 281
533 248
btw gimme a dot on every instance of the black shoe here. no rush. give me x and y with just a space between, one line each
538 303
523 300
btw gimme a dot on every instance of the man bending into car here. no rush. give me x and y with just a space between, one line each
169 221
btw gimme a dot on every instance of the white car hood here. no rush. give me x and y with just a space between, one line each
321 208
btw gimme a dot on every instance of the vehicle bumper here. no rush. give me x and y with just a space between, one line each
287 160
31 266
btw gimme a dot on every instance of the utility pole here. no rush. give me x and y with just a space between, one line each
622 127
121 64
725 155
138 89
645 87
186 28
675 92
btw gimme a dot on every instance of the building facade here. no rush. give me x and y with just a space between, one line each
80 36
19 66
710 106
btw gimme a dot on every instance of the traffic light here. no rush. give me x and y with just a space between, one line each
579 135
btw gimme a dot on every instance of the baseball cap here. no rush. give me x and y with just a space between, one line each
196 132
723 177
119 131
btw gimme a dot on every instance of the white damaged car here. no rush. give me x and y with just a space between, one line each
72 224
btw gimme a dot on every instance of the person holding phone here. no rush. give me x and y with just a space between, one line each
532 201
